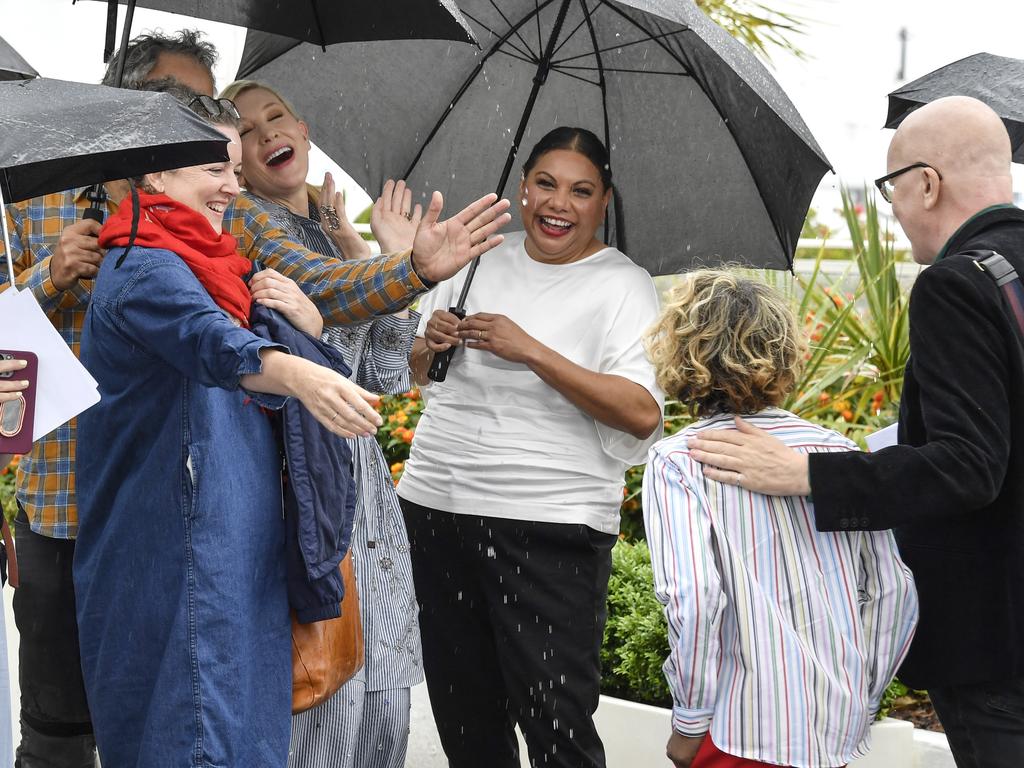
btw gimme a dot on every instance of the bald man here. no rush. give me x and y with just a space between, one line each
953 489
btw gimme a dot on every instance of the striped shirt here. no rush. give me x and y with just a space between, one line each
782 638
344 292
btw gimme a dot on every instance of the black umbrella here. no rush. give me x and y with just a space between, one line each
12 65
55 135
712 161
996 80
314 21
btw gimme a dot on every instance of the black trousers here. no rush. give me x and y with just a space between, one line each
512 616
56 731
984 723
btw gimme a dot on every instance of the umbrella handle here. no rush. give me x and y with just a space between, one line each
439 367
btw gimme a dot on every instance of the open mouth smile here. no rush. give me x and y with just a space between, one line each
279 156
553 226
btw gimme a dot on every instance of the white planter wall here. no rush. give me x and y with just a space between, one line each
634 736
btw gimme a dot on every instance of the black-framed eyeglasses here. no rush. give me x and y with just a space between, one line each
885 185
212 108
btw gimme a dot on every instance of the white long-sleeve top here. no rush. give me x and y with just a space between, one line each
782 638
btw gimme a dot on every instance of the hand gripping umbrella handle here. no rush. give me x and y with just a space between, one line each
439 367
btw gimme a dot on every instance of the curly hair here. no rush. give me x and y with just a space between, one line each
725 344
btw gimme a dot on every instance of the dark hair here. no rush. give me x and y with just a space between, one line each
578 140
144 50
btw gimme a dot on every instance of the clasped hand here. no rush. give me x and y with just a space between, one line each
496 334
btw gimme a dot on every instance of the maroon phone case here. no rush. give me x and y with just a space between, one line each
22 441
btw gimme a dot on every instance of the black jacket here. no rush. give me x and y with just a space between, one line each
954 487
319 490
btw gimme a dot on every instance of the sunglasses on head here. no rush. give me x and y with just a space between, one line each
885 183
212 108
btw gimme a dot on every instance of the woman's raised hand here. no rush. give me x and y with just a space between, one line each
272 289
394 219
335 222
442 248
441 331
12 387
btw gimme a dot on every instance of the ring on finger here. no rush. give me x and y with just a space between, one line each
330 214
334 417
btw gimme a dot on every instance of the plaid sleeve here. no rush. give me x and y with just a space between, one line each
29 273
344 291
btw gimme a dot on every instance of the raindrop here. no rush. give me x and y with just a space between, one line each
490 552
460 594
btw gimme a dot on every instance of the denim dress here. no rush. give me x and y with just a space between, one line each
179 565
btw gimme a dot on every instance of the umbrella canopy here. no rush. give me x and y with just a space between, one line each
12 65
56 135
996 80
712 161
323 22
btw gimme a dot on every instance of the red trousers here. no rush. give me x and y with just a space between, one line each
710 756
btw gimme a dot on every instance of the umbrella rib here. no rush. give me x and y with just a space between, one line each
519 36
602 84
562 68
650 37
517 57
504 41
536 17
465 87
568 37
579 77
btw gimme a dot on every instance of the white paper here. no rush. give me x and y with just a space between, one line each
882 438
64 388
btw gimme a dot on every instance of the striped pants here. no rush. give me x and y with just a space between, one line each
353 729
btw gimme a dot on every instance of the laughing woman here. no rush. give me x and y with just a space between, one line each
512 491
179 565
366 723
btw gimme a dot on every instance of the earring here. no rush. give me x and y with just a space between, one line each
524 201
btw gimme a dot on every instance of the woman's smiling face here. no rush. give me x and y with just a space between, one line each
275 145
565 201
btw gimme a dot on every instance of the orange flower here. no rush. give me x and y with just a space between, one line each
823 398
397 467
408 435
847 415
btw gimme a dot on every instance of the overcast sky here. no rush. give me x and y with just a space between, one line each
853 48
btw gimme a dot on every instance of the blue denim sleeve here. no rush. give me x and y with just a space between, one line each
166 310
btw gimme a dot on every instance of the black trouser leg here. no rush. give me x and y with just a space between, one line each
984 723
56 731
537 595
547 585
467 693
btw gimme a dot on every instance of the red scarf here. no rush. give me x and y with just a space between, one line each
165 223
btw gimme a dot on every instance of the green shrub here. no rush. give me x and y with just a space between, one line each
636 635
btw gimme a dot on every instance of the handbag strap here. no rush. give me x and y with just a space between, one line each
1006 279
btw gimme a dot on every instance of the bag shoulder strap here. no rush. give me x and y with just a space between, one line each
1006 279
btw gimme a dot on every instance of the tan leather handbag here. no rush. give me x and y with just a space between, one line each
326 654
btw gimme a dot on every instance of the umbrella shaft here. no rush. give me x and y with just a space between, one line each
543 67
126 35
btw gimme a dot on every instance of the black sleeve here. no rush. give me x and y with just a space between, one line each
961 377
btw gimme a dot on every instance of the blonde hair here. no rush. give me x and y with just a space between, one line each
725 344
235 89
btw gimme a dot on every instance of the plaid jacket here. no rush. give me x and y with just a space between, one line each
345 292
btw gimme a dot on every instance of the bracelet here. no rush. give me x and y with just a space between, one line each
428 283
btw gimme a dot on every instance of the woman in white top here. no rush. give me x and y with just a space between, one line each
512 490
